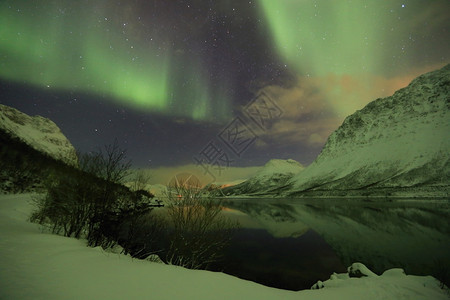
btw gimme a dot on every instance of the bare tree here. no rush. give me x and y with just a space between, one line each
199 231
90 162
114 164
139 180
89 202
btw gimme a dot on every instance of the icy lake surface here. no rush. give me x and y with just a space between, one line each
291 244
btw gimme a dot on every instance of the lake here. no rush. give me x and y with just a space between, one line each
293 243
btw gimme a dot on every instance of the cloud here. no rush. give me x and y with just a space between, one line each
163 175
316 139
305 112
316 106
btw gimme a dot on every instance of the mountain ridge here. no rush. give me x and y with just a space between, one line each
389 142
274 173
394 146
38 132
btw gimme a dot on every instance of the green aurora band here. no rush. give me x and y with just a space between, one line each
347 45
103 49
321 37
82 50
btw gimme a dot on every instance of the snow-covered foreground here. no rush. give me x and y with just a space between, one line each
36 265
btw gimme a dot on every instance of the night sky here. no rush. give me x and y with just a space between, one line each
215 83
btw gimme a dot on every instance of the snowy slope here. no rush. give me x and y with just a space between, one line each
38 132
35 265
275 172
395 142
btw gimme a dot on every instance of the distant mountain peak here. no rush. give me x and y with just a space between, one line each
274 173
40 133
282 166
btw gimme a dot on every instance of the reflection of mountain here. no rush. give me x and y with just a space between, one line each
382 236
278 219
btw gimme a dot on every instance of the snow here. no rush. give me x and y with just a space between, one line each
398 141
38 265
396 147
274 173
280 166
390 285
38 132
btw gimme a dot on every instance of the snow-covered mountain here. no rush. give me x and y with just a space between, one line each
396 143
276 172
39 133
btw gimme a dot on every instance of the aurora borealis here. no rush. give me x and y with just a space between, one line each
147 55
164 77
330 36
91 53
356 39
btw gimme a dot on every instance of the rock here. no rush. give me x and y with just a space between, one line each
317 286
359 270
154 258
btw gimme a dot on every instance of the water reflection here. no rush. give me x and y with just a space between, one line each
413 235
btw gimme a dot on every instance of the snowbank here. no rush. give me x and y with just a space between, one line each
37 265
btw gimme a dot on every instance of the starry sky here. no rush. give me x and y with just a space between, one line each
219 85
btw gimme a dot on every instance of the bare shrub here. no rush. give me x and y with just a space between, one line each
90 202
67 206
139 180
442 273
198 232
143 235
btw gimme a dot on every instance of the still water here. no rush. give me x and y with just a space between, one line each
291 244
